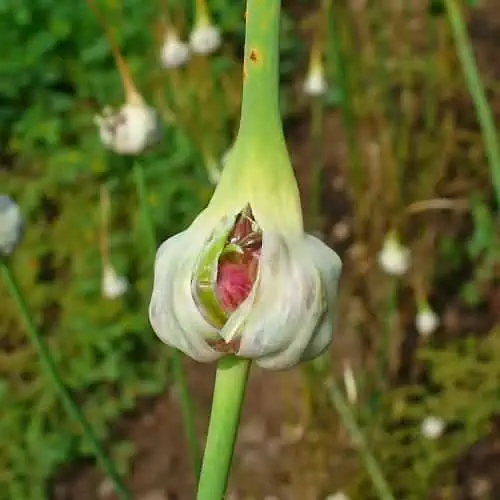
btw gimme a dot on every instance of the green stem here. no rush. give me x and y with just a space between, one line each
431 73
358 439
186 403
187 412
317 111
474 83
341 74
260 114
229 393
384 353
402 139
142 195
52 372
259 157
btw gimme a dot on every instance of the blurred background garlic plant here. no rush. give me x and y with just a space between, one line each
396 162
11 224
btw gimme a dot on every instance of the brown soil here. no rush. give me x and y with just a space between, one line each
268 443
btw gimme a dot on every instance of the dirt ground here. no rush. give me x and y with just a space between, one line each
273 460
161 469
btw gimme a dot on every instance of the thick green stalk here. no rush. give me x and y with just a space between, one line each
229 393
52 373
187 407
260 115
474 83
259 161
358 439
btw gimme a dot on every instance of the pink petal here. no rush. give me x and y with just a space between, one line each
233 285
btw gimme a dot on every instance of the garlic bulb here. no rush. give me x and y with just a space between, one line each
394 258
174 52
205 38
130 130
113 285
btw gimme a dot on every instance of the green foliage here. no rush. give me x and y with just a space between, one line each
483 249
104 349
459 385
436 7
53 83
60 72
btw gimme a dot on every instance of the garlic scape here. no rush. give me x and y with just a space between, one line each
244 279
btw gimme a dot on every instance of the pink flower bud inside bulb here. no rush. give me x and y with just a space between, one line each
233 285
237 269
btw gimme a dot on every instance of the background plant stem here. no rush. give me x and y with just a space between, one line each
358 439
385 347
348 120
142 195
52 373
473 80
382 368
186 403
229 393
432 79
317 112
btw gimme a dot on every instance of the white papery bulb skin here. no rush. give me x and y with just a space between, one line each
228 286
426 321
174 52
315 84
11 225
205 38
113 285
130 130
394 258
432 427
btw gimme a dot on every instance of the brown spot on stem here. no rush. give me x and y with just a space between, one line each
253 56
